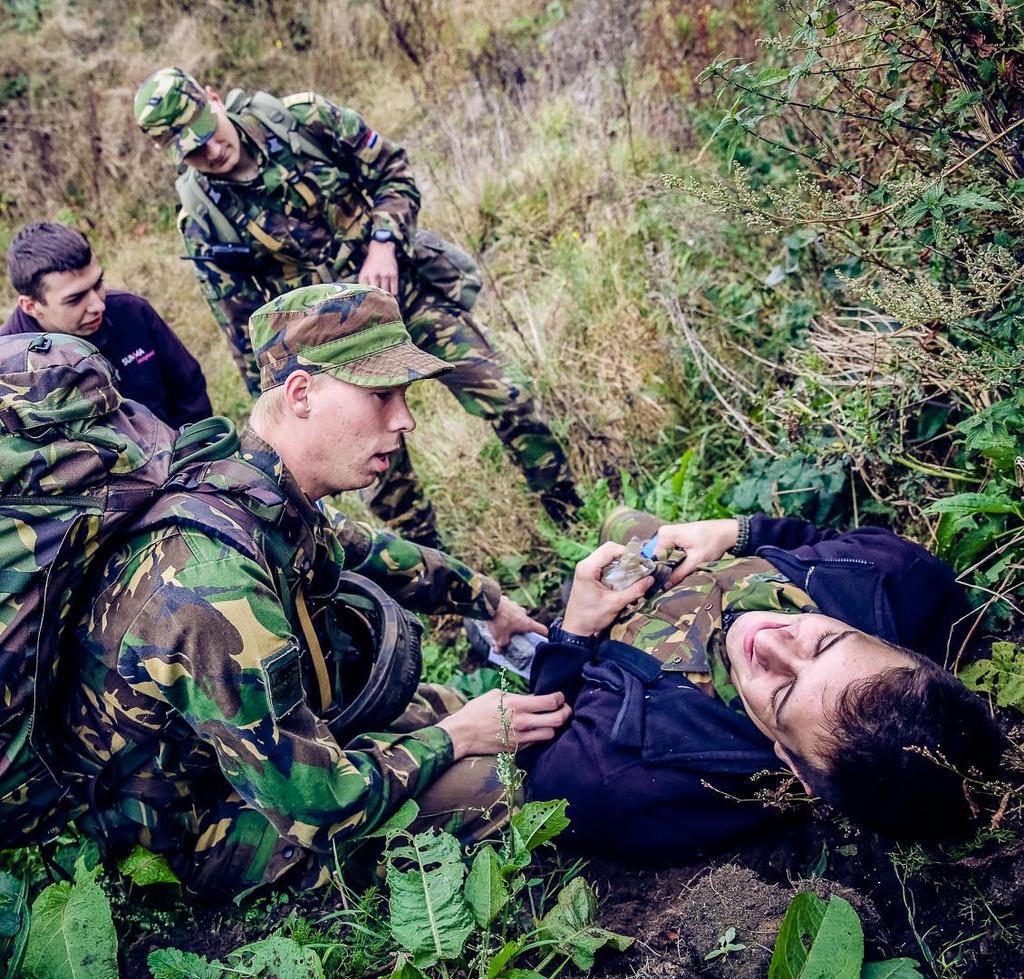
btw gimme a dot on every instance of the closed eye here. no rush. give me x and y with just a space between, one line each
825 642
776 693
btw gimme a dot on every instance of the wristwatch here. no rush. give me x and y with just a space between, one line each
383 234
557 634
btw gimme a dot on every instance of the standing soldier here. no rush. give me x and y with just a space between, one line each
279 193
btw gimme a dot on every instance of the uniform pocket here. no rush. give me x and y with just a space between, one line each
446 268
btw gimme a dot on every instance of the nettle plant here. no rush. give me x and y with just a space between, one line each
881 144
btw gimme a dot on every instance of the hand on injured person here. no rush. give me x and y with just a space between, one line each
479 728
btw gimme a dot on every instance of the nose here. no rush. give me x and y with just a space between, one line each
96 302
212 148
401 419
780 649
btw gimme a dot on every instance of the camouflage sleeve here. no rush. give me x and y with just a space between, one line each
211 639
379 166
420 578
232 297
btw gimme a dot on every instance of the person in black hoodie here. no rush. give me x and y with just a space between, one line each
790 653
60 290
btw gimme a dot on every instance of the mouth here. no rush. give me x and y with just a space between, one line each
382 460
92 325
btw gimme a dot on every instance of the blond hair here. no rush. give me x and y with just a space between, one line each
269 407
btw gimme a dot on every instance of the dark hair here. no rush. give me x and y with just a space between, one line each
903 743
39 249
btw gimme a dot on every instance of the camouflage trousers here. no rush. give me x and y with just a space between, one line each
241 851
488 386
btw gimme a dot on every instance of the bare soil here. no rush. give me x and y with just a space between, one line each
968 910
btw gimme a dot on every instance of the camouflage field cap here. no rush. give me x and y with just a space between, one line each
354 332
173 110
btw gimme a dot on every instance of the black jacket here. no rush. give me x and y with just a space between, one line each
150 363
642 743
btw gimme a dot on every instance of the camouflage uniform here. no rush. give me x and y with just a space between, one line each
186 648
190 662
684 627
309 220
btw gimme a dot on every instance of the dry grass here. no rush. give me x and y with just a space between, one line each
531 144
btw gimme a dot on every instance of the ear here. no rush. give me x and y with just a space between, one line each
211 94
296 391
28 305
783 756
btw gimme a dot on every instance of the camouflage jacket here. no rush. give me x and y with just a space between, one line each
180 650
300 214
684 627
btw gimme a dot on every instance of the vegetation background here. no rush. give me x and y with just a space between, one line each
754 255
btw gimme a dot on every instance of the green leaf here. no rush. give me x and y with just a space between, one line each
996 431
969 200
508 952
72 933
520 855
1002 675
803 917
429 915
401 819
838 950
172 963
967 504
538 822
14 921
12 905
835 941
406 970
145 868
570 925
913 214
891 969
486 891
277 958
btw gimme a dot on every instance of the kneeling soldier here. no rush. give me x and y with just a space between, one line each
203 714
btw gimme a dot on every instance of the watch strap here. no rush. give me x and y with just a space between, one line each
559 635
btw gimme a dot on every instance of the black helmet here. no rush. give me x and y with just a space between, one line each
375 655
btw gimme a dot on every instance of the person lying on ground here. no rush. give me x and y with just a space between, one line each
774 645
196 644
61 290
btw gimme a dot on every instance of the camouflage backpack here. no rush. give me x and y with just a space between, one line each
76 463
445 266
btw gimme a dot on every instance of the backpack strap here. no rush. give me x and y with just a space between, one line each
315 649
194 193
274 115
204 441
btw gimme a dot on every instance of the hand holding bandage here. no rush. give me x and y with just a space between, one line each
592 605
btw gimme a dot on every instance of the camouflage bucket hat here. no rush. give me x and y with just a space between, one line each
173 110
353 332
